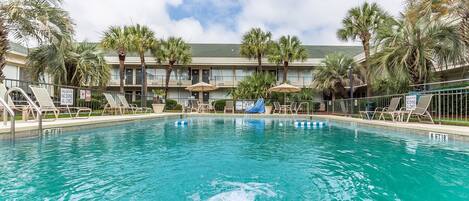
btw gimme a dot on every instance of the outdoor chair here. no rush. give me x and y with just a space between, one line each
277 108
421 110
392 110
24 109
211 107
111 105
130 107
293 107
343 108
46 104
229 106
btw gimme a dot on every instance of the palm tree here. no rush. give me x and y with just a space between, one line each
363 23
69 63
256 44
333 75
117 38
43 21
254 86
142 40
287 49
416 46
173 51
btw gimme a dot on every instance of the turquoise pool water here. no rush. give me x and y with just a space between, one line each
233 159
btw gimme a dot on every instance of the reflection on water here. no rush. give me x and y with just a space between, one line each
233 159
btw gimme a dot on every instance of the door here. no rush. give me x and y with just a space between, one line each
129 76
195 95
206 97
138 77
195 76
206 75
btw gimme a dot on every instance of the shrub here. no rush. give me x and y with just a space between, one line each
171 104
219 105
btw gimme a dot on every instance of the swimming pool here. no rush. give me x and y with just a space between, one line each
233 159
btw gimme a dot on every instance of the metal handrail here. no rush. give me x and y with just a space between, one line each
30 102
7 108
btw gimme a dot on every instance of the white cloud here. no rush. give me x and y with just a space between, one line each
314 21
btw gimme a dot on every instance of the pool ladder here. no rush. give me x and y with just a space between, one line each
9 111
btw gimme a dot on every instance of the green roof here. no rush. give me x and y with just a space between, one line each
232 50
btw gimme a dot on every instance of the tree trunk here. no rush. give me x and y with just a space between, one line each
169 69
144 79
259 63
121 54
285 71
366 65
3 47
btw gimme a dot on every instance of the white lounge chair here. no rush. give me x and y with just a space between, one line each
111 105
421 110
130 107
229 106
46 104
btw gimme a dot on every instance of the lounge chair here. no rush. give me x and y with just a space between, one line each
46 104
343 107
421 110
229 106
111 105
211 106
195 106
392 110
130 107
24 109
293 107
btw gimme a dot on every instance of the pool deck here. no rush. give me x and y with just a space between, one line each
30 126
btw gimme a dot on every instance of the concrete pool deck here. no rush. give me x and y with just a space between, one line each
74 124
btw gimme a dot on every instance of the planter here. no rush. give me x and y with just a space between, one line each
268 109
158 108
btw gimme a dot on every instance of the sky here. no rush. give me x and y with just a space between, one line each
315 22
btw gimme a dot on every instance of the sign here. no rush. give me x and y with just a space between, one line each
88 95
243 105
82 94
66 96
411 102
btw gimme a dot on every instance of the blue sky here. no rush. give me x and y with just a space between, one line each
219 21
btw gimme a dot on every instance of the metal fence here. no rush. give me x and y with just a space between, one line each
447 105
90 97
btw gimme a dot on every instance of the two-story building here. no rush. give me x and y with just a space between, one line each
217 64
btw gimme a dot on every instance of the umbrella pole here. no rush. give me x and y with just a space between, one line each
285 101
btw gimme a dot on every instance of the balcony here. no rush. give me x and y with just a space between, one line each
219 81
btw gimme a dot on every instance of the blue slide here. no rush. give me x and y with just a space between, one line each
259 107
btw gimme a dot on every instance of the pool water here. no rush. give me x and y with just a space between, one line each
233 159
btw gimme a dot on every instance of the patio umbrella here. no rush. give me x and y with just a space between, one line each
201 87
285 88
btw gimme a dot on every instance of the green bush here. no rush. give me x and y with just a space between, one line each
219 105
171 104
178 107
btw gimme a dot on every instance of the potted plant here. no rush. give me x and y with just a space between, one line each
268 107
158 105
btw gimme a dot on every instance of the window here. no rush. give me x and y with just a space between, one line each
115 73
222 74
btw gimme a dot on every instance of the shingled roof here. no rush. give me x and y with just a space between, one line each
232 50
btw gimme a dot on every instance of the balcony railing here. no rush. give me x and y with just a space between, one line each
219 81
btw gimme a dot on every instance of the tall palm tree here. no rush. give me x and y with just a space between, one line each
333 75
43 21
287 49
142 40
172 51
416 46
362 23
256 44
117 38
70 63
